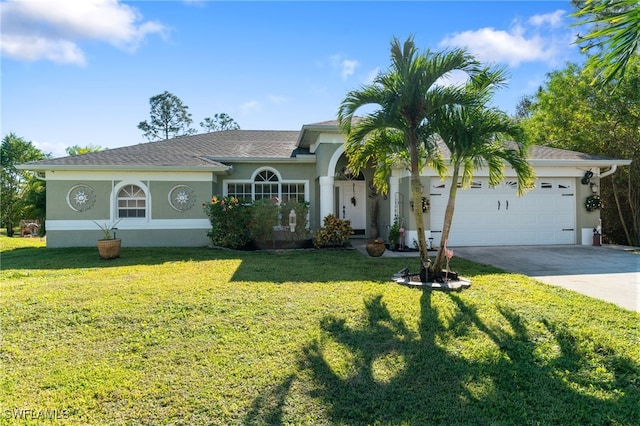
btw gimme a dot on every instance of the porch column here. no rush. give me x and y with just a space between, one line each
326 197
394 189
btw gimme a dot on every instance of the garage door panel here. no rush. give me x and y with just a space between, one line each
497 216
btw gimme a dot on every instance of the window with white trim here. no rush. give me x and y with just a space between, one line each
131 202
293 192
267 185
242 191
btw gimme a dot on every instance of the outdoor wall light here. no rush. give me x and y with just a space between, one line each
594 187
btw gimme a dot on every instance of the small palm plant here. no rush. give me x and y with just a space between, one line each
106 229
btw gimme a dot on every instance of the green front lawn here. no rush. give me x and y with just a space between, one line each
202 336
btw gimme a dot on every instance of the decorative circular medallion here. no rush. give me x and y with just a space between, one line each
81 197
182 197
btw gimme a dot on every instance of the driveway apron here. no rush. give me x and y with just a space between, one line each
610 273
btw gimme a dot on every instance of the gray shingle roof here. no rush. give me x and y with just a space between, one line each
210 151
207 150
542 153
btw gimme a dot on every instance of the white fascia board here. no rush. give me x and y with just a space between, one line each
540 171
267 160
74 175
578 163
331 138
327 138
127 224
55 168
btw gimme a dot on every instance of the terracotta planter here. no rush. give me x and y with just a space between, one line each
374 248
109 249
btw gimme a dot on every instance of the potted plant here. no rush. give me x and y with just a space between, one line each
375 247
394 234
108 246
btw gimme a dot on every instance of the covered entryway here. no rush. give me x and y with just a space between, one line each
351 202
487 216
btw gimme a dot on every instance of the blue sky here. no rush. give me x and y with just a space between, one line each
81 72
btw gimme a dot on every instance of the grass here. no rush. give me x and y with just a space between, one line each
201 336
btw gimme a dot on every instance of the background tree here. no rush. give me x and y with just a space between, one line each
169 118
17 184
523 109
570 113
219 122
79 150
407 97
613 37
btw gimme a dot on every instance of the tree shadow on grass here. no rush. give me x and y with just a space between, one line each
459 369
88 257
255 266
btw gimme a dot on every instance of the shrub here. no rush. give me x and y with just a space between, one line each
235 224
302 213
229 222
264 217
334 233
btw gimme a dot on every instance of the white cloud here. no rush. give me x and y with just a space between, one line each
250 106
455 78
56 149
518 44
53 29
32 48
553 19
346 67
490 45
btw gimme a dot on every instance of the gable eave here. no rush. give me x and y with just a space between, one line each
270 160
578 163
222 168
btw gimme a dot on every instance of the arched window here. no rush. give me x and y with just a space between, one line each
266 185
132 202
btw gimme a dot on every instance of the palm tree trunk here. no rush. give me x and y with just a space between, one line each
416 197
446 227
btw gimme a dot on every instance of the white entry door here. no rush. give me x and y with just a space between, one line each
352 203
486 216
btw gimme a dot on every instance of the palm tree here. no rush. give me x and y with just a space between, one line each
407 97
614 35
477 136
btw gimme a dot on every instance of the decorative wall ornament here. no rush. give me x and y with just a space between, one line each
426 205
182 197
592 203
81 197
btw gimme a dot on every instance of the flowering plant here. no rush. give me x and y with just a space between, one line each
229 222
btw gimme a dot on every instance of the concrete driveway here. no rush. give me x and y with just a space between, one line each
610 273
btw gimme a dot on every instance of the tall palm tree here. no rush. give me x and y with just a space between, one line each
614 35
406 99
478 136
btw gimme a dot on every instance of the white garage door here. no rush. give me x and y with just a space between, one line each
487 216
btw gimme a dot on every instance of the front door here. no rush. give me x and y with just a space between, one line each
352 203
